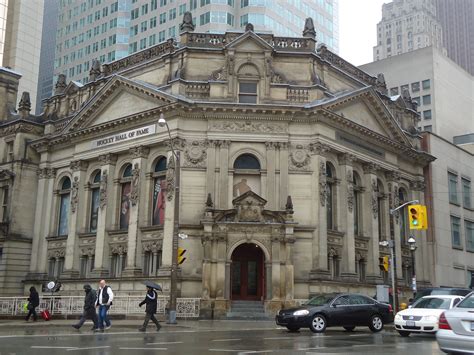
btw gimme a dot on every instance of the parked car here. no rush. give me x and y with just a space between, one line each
456 327
329 310
423 315
438 291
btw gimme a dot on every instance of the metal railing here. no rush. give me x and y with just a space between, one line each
69 305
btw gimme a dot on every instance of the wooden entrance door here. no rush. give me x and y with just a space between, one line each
247 277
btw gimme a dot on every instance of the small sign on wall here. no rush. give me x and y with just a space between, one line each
124 136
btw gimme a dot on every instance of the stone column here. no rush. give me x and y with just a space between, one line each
39 262
107 205
371 221
76 214
283 188
320 247
271 177
393 179
346 213
276 269
139 155
211 170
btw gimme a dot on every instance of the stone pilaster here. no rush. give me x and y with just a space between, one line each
271 177
211 170
283 188
107 205
223 200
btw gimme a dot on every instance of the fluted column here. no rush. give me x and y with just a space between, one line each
371 221
76 213
107 205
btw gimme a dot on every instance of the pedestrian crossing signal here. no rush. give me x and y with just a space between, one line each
181 257
384 263
417 217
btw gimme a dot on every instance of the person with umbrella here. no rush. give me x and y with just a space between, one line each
151 301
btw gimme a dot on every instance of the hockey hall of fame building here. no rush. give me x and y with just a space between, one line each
290 160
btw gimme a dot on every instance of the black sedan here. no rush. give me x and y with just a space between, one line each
328 310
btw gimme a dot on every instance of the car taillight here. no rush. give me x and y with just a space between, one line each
443 322
390 309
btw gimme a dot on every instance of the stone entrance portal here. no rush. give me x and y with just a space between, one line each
247 273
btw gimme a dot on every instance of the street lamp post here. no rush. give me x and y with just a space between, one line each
174 262
412 243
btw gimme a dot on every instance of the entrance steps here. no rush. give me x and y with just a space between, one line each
247 310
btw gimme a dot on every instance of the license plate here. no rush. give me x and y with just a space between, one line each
410 323
472 326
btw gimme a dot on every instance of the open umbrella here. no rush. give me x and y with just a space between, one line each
152 285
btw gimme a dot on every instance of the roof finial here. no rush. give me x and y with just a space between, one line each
249 27
95 72
309 30
60 84
24 106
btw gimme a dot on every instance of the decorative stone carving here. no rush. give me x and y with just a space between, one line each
187 25
209 203
6 174
300 158
319 148
103 190
24 106
393 176
248 126
170 175
322 183
195 154
153 246
107 159
274 75
74 194
350 190
95 71
87 252
370 168
418 185
56 253
289 204
46 173
135 188
375 205
380 84
78 165
248 27
119 249
346 159
60 85
309 30
139 152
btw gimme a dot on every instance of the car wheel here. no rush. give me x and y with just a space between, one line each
350 329
376 324
403 333
318 324
293 328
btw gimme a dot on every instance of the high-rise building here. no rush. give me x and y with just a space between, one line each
48 44
21 24
407 25
108 30
457 20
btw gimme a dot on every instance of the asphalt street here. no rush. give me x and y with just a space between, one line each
206 337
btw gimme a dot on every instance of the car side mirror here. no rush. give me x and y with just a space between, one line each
334 305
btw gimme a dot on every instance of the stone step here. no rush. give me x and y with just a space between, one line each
246 306
247 315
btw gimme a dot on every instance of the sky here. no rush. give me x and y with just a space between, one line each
358 29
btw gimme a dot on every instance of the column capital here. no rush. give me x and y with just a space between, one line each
139 152
346 159
78 165
417 185
46 173
271 145
319 148
370 168
393 176
107 159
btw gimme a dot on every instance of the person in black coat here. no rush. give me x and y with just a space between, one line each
33 302
150 300
89 308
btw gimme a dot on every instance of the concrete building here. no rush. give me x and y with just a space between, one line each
48 47
21 24
457 20
407 25
291 158
451 209
111 29
443 91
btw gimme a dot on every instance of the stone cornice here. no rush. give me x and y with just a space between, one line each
21 126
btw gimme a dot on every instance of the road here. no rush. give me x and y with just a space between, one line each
207 337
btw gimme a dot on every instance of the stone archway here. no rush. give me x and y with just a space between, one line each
247 276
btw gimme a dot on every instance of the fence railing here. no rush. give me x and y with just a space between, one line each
65 305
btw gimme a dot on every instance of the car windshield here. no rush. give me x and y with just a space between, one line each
468 302
320 300
433 303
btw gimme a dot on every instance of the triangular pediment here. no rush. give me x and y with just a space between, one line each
119 98
249 198
365 108
249 42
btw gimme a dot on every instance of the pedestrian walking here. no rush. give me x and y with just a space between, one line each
105 296
151 305
33 302
89 308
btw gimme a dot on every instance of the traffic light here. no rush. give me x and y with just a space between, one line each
181 257
384 263
417 217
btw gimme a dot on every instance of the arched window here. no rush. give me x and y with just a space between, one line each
330 197
95 191
64 200
159 192
380 208
357 203
246 175
126 187
404 231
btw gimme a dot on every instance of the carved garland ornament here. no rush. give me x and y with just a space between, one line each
135 190
350 190
322 183
74 194
103 190
375 206
170 174
300 158
195 154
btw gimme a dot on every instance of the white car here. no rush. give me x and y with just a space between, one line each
456 328
423 315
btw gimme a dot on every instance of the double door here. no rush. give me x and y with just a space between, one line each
247 275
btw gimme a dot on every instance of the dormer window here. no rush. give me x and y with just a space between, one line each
248 92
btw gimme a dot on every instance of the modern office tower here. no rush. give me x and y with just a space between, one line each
407 25
108 30
48 44
21 22
457 19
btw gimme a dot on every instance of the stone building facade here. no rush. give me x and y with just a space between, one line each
290 159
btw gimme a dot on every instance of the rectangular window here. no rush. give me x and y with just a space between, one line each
161 36
205 2
426 84
205 18
466 193
415 87
134 14
143 43
172 32
162 18
427 114
248 93
143 26
154 5
456 231
163 3
182 9
152 40
153 22
172 14
453 188
426 99
428 128
144 9
193 4
9 151
5 204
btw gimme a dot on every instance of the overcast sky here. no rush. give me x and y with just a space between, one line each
358 29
